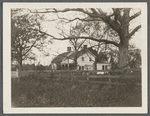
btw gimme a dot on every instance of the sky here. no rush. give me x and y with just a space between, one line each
58 47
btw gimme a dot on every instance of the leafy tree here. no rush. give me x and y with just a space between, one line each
134 57
24 35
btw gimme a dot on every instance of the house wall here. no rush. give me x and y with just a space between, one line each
54 66
103 66
66 61
86 62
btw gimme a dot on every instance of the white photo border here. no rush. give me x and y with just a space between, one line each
7 109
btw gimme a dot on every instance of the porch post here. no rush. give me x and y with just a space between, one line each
68 63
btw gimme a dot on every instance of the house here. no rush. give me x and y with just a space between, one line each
103 61
84 59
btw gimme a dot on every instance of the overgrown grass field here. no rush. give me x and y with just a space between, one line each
46 92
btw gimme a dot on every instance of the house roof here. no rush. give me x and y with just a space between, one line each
79 53
101 57
70 55
60 57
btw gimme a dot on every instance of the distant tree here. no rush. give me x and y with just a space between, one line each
24 35
134 57
40 67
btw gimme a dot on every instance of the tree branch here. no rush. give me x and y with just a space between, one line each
94 14
32 46
135 15
81 19
81 43
134 30
69 10
82 37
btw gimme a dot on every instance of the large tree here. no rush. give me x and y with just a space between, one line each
119 20
24 35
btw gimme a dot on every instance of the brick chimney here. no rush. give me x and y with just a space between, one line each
85 46
68 49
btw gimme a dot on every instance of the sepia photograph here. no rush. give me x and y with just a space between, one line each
82 57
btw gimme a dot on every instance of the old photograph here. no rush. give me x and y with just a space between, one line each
76 56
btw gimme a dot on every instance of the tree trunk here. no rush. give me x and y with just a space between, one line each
75 59
20 64
124 40
20 59
123 49
123 46
95 63
123 56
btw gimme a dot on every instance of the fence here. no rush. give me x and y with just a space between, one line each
98 76
76 72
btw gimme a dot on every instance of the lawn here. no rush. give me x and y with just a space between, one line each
60 92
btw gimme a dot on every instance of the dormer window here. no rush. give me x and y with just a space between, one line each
82 58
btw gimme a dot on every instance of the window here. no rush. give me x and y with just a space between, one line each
82 58
103 67
106 67
79 67
82 67
90 59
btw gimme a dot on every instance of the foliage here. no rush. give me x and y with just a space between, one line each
134 58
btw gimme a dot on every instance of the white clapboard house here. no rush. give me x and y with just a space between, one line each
85 60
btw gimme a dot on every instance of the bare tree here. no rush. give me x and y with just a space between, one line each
24 35
119 20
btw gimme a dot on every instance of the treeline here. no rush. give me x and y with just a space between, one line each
31 67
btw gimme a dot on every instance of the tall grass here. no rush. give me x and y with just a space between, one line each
34 91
